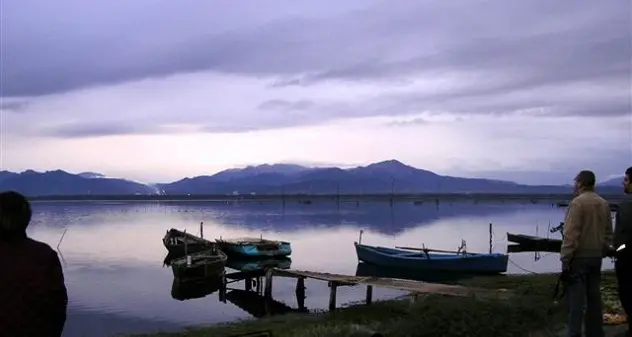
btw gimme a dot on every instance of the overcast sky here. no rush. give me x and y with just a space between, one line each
157 90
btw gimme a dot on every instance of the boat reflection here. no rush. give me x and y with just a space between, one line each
187 289
258 305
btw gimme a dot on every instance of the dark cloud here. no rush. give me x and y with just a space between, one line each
280 104
90 130
511 44
13 105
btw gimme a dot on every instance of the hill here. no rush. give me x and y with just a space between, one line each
59 182
384 177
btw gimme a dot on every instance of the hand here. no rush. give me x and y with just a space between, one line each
609 251
566 266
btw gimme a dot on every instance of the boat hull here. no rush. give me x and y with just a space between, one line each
252 251
174 242
203 265
395 258
535 243
257 265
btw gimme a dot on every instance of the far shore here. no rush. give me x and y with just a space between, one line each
342 198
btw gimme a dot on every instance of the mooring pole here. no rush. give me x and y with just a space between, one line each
202 229
62 238
491 236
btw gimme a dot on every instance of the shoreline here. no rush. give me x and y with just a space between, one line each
308 198
529 311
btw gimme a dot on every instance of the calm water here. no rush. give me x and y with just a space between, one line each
112 252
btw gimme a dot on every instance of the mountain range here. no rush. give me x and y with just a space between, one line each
389 176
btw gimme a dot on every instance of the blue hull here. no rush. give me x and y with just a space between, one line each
404 259
252 251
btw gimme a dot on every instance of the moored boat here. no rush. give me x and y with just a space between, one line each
199 265
179 243
254 247
536 243
254 265
428 259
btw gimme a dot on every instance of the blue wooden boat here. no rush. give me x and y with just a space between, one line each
257 265
254 247
428 259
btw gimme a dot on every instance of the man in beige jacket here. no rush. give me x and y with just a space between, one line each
587 237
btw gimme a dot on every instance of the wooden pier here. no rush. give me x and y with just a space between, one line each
265 278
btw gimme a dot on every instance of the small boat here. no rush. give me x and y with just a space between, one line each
254 247
186 289
176 241
256 265
535 243
429 259
199 265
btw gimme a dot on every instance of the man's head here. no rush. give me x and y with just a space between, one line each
15 216
627 181
585 181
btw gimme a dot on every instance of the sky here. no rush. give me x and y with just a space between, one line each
531 91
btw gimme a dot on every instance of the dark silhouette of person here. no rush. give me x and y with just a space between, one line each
588 234
33 297
623 248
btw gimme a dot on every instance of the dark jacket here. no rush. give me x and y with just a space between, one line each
587 227
33 296
623 222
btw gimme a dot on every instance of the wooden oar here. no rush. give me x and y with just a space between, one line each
433 250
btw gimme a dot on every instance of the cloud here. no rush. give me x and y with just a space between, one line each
400 72
286 105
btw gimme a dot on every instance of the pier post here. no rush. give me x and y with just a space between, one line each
369 294
300 293
248 282
332 295
491 235
222 289
268 288
258 288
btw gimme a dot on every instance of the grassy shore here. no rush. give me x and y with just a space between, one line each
530 311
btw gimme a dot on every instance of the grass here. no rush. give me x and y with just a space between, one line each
529 310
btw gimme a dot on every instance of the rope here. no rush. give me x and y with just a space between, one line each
521 268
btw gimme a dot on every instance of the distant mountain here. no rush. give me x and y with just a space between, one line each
383 177
59 182
618 181
389 176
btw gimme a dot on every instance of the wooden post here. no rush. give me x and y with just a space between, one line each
268 289
332 295
369 294
202 229
491 231
300 293
222 289
248 284
413 298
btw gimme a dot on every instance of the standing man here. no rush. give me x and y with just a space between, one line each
623 248
33 296
587 236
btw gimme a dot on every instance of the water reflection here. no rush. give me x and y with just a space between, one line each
187 289
117 249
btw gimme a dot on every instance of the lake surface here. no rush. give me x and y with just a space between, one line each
113 254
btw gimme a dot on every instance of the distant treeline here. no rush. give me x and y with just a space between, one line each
557 198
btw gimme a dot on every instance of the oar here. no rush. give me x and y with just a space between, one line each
431 250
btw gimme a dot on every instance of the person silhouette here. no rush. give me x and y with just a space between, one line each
33 296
